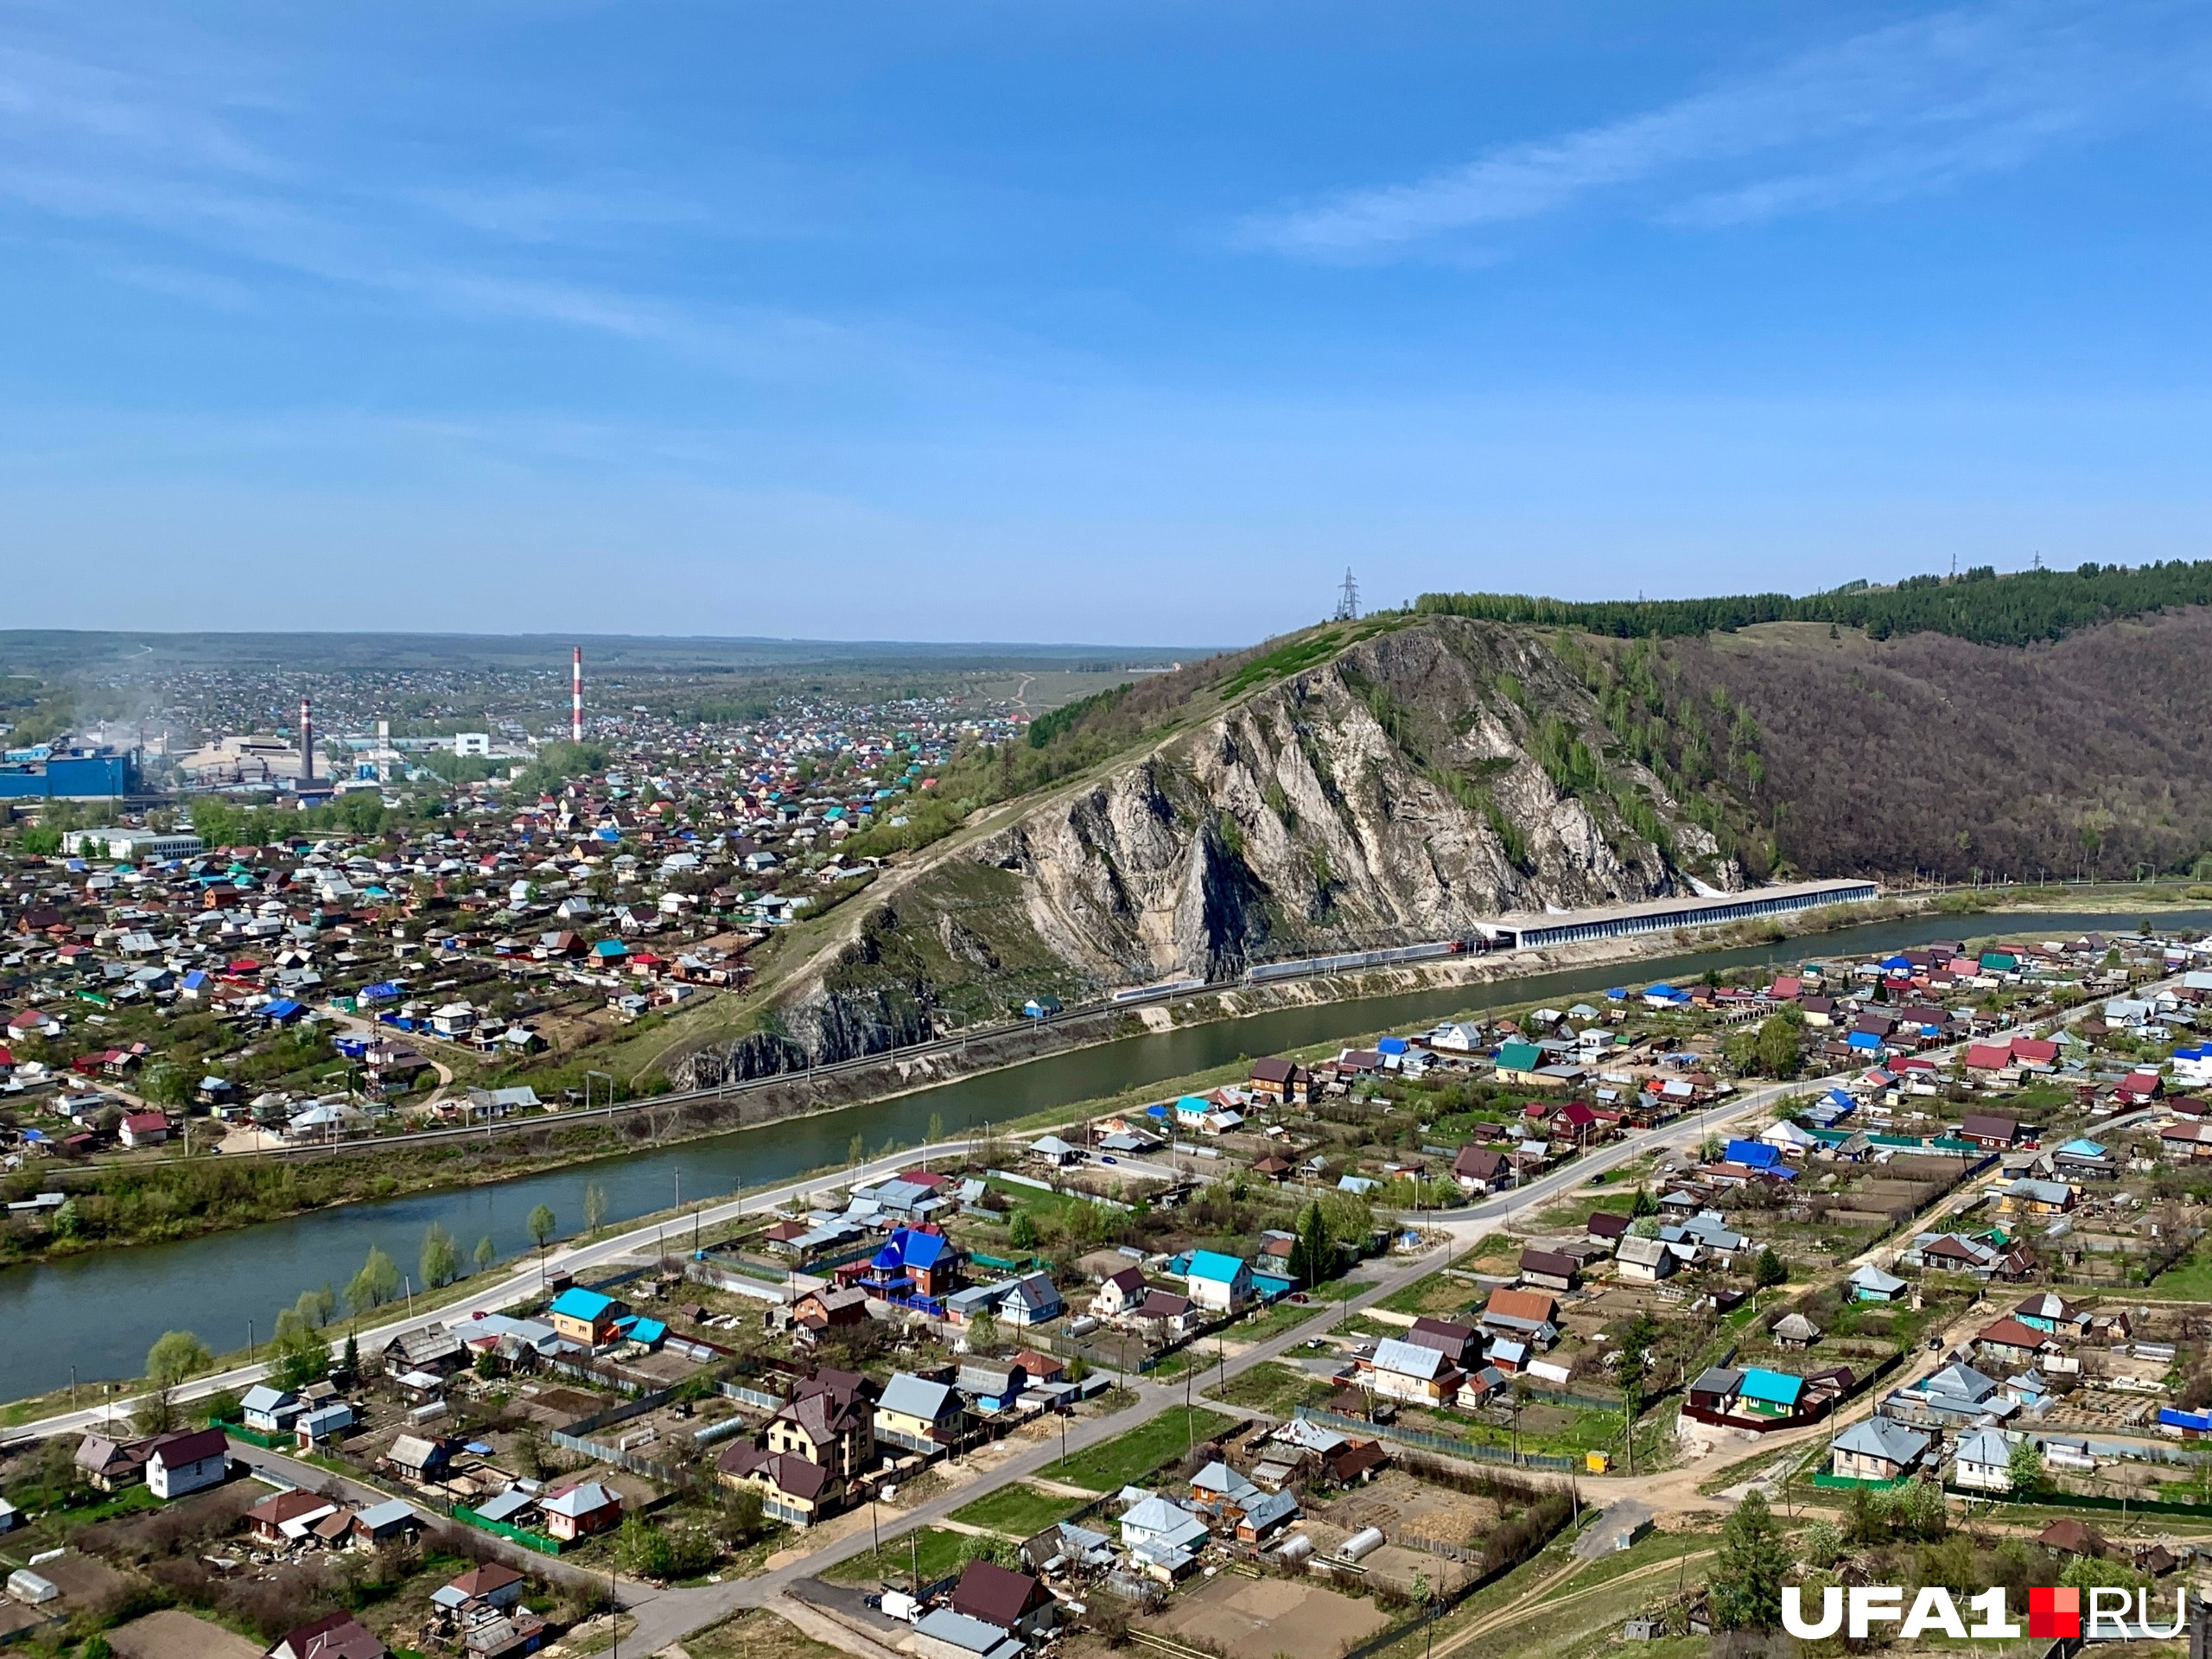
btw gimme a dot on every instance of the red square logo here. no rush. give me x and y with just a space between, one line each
2054 1613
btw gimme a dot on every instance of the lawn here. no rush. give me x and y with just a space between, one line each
1271 1387
1129 1457
931 1551
1436 1295
2190 1277
1020 1511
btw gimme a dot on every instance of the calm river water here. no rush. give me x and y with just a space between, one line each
99 1313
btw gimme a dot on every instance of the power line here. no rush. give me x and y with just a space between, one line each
1348 598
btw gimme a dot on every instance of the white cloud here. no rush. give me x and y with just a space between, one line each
1900 111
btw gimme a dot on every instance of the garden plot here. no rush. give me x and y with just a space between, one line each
1270 1619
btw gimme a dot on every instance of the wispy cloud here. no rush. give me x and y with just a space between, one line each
203 175
1898 111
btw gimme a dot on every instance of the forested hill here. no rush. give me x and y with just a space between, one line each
1980 606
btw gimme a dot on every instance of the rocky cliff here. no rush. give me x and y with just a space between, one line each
1428 774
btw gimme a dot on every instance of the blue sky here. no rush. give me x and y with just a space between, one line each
1113 322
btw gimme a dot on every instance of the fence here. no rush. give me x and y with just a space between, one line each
2084 1501
1443 1443
536 1540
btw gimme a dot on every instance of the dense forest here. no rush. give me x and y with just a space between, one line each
1929 753
1979 605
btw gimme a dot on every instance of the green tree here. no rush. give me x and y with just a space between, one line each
1770 1268
2025 1466
1644 1204
175 1356
595 1207
439 1260
377 1283
486 1254
982 1331
540 1224
300 1356
936 1127
1746 1592
350 1364
1021 1233
317 1307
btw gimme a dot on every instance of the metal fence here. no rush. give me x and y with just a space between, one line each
1443 1443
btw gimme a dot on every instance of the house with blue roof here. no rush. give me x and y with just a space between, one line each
1769 1394
1220 1283
586 1316
1752 1154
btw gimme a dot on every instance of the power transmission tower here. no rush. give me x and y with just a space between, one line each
1348 600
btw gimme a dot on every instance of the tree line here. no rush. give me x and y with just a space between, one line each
2014 609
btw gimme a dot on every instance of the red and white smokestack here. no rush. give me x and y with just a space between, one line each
307 744
576 700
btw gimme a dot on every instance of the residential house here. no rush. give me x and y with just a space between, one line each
1006 1600
1531 1316
1877 1448
1282 1082
919 1415
269 1410
1405 1371
490 1584
1644 1261
1219 1283
578 1510
282 1518
2025 1196
1549 1270
419 1458
1870 1284
586 1316
791 1489
828 1422
188 1462
944 1634
1983 1462
2011 1343
993 1385
1989 1131
2047 1311
143 1129
1455 1341
1118 1293
335 1636
111 1464
1479 1169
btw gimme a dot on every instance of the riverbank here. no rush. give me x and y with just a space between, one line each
134 1204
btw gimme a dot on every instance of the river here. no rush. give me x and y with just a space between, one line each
99 1313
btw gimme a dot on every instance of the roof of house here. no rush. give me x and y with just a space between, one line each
577 1303
997 1595
1214 1266
587 1497
913 1397
1410 1359
1776 1387
1535 1306
195 1446
1884 1438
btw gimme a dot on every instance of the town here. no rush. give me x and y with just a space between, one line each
1296 1360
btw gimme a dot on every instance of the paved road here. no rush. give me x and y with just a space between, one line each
665 1616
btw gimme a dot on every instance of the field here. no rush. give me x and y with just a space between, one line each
933 1552
1129 1457
1271 1618
1271 1387
1020 1511
754 1634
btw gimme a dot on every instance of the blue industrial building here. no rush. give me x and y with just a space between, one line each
87 775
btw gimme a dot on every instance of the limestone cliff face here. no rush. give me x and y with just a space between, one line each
1425 779
1428 777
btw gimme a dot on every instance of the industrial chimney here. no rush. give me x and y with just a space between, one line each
576 699
307 745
